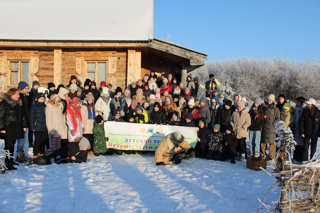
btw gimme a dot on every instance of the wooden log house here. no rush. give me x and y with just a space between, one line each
52 55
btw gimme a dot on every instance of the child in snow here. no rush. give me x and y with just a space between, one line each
100 147
230 144
215 143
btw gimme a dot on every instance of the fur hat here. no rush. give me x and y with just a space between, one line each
228 102
105 91
139 91
258 101
73 87
272 97
99 119
152 96
217 126
311 101
118 90
191 102
87 82
177 137
90 97
83 143
35 83
22 85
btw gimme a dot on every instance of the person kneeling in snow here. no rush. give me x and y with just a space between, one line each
170 146
75 152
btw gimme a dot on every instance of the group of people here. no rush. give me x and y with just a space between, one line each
69 120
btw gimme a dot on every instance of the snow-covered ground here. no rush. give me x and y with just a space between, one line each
132 183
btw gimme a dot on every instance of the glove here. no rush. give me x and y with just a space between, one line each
72 132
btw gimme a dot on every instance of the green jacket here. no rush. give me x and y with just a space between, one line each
99 143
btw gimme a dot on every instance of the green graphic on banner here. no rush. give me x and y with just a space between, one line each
143 137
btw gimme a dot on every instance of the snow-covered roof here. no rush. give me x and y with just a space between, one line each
128 20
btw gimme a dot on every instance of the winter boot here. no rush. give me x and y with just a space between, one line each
243 156
21 158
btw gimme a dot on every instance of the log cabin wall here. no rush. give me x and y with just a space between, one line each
46 64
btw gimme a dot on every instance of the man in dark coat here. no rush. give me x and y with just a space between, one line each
210 87
224 115
24 96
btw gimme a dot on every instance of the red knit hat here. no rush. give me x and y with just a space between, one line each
103 83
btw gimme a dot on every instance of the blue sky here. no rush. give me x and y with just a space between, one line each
235 29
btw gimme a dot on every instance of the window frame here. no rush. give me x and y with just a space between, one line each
96 71
20 71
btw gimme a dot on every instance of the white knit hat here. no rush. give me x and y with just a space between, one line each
105 91
191 102
152 96
272 97
311 101
73 87
83 143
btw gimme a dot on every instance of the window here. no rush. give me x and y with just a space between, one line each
97 71
19 71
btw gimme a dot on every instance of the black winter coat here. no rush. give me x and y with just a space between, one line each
157 117
64 154
215 141
309 125
224 117
201 147
38 117
190 124
12 118
255 125
96 94
25 103
175 123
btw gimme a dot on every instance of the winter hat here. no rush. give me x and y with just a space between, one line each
196 79
165 80
146 105
87 82
170 76
156 104
311 101
203 120
157 95
287 106
103 84
175 96
177 137
39 95
35 83
93 83
139 91
281 96
211 76
138 107
175 113
203 99
118 90
62 92
127 91
272 97
217 126
105 91
162 100
228 102
189 116
133 82
99 119
229 127
73 87
257 100
116 111
191 102
242 103
213 100
152 96
182 100
73 77
90 97
50 84
22 85
83 143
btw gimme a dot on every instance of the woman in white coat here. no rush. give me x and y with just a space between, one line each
103 105
74 119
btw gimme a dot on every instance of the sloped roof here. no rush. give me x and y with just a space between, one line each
129 20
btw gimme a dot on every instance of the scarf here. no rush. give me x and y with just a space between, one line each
91 113
73 111
53 101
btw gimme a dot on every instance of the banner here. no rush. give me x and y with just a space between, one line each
143 137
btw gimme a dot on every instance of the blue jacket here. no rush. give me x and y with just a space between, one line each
38 117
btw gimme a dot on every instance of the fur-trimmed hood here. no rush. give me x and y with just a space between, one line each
10 101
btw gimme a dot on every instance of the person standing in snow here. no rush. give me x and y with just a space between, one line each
308 127
224 115
298 110
103 105
215 143
88 114
268 136
12 122
74 119
210 87
240 121
169 147
201 148
100 147
204 110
